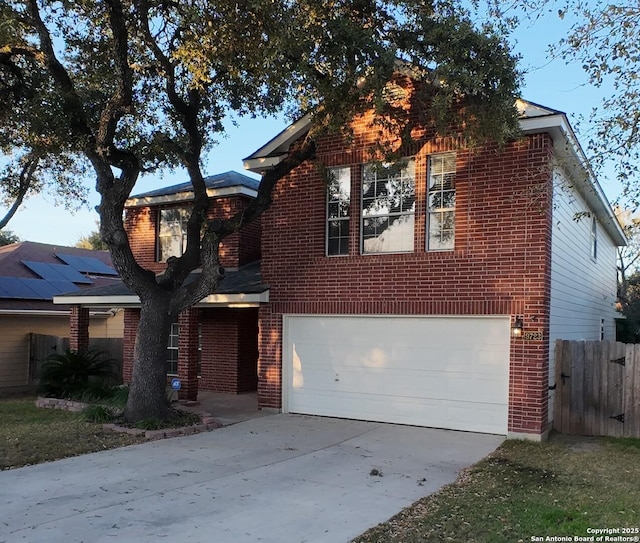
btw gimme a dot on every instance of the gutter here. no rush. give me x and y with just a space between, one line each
132 301
54 313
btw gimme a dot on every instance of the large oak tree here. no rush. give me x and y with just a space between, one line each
127 87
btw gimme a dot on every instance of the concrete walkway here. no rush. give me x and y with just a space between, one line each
278 478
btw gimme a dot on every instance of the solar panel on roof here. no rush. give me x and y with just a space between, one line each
73 261
72 274
44 289
22 288
64 286
43 270
57 272
3 292
97 266
15 288
87 264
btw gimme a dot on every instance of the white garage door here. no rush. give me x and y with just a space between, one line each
441 372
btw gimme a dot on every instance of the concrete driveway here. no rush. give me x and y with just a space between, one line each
280 479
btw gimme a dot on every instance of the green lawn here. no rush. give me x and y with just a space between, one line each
30 435
526 490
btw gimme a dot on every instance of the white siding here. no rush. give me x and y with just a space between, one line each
583 290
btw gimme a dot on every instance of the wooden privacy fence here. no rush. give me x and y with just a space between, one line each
41 346
597 388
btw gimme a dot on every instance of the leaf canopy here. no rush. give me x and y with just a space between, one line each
126 87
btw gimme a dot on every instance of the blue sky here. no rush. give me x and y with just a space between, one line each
549 82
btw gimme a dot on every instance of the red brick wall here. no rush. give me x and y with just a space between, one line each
249 243
79 328
247 350
188 354
229 354
229 350
141 224
131 320
500 264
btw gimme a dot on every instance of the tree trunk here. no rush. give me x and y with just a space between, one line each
147 394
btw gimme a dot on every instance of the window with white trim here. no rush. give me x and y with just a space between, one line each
172 232
441 202
338 210
172 349
388 207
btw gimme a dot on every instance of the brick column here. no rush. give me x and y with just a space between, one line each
79 328
270 358
131 320
188 354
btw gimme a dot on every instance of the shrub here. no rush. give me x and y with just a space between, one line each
98 413
149 424
118 397
71 373
176 420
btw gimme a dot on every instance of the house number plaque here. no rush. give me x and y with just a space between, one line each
533 336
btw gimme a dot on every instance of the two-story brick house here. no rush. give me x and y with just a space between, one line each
430 292
427 292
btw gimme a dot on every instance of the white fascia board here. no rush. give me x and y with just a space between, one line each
221 300
567 146
51 313
98 301
261 159
259 165
235 299
188 196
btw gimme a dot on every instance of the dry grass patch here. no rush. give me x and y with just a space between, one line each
30 435
562 488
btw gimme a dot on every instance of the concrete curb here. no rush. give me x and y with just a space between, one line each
207 421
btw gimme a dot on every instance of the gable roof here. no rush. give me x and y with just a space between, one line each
537 119
223 184
32 273
534 118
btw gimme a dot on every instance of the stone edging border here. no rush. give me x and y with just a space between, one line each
208 421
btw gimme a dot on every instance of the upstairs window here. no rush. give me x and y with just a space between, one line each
441 204
172 232
388 207
338 210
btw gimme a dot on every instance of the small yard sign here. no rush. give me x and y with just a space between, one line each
176 384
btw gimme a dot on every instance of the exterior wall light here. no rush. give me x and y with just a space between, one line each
517 327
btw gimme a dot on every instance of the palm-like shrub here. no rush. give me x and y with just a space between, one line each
69 374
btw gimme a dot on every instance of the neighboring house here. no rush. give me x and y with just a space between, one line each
428 292
30 275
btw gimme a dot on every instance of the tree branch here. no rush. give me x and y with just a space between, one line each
262 201
72 103
25 177
121 100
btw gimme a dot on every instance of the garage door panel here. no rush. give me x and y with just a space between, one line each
442 372
458 385
406 410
